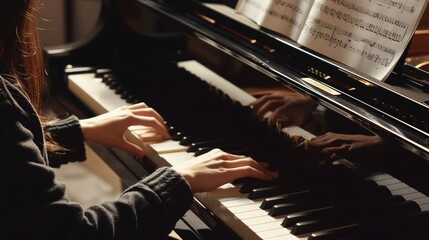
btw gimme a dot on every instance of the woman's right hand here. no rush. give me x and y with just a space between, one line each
216 168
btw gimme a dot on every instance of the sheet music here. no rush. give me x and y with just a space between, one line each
369 35
287 16
255 10
283 16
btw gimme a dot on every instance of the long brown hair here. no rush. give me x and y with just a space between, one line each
21 52
20 48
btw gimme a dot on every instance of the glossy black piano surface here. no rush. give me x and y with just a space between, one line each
374 200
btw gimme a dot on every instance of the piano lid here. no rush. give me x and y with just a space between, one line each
392 109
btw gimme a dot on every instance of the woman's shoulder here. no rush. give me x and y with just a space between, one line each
5 81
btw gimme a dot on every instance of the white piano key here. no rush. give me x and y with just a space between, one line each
228 192
237 201
245 207
269 226
94 93
175 158
424 207
168 146
279 232
388 182
250 214
397 186
146 134
289 237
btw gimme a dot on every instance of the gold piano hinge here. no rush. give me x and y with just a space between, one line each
422 31
208 19
359 79
321 86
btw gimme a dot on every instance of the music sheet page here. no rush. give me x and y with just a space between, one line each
283 16
287 17
255 10
369 35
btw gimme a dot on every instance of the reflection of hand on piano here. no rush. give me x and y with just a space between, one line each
215 168
353 147
108 129
287 107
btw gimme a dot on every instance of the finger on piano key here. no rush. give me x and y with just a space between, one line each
168 146
146 134
174 158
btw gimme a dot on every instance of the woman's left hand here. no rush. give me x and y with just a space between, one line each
109 129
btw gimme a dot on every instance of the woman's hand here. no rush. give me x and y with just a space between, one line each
215 168
109 129
288 108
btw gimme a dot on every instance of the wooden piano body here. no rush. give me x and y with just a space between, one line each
197 59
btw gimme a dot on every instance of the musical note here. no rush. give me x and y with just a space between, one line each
337 37
388 27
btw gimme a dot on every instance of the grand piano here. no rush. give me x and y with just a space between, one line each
200 66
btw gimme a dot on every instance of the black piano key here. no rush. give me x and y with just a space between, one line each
320 224
380 196
249 186
189 138
269 202
108 78
378 229
388 214
113 84
211 143
103 72
290 177
201 151
119 90
292 207
233 148
244 180
273 190
335 193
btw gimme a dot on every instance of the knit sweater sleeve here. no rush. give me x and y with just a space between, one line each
67 133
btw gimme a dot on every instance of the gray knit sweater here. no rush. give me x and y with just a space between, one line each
34 205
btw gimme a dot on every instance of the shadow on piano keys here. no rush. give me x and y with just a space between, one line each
331 202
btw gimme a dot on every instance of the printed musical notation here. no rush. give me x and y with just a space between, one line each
400 5
283 14
370 20
340 38
368 35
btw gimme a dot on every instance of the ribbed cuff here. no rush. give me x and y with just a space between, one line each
68 133
173 189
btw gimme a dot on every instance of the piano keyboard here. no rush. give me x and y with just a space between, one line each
304 205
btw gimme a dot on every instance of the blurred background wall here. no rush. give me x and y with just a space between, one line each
64 21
